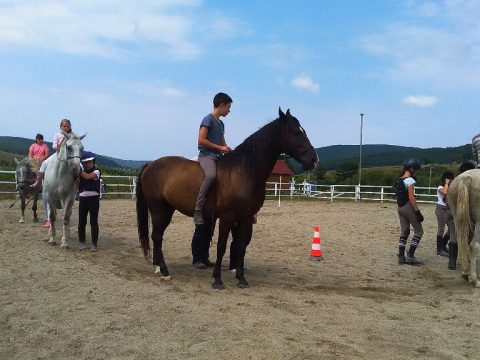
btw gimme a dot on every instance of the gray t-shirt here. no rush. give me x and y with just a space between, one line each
216 131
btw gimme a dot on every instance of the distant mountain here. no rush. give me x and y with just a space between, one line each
331 157
20 146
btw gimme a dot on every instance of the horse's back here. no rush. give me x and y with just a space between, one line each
173 179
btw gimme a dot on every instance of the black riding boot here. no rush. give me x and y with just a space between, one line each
440 246
452 256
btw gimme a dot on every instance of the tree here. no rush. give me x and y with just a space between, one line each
319 172
346 170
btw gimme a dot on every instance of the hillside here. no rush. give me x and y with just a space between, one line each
334 156
331 157
20 146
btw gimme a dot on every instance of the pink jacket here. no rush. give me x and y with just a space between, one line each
57 140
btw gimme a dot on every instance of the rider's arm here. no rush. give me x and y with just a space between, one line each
202 140
411 197
89 176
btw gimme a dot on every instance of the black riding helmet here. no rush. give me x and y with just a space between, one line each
412 163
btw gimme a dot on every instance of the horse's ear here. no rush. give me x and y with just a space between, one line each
82 136
16 161
288 112
280 112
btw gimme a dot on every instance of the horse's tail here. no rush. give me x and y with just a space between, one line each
463 221
142 216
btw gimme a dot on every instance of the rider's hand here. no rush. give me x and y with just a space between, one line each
225 148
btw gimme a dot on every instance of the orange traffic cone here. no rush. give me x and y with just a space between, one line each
316 252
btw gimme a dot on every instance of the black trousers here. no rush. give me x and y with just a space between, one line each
88 205
201 240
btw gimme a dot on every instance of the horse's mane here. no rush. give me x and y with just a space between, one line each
260 142
27 162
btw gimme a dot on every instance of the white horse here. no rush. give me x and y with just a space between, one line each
464 200
60 183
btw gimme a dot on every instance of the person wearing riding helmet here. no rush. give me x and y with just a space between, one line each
408 212
89 199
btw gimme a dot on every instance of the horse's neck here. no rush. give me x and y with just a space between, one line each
61 167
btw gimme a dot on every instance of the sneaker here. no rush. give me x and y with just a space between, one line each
81 245
412 260
93 248
46 224
401 259
199 265
198 217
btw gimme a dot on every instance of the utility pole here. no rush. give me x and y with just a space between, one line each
360 161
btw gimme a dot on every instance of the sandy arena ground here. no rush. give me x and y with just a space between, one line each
356 304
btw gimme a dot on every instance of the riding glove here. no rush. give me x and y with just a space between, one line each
419 216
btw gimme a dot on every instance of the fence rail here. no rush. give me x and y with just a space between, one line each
116 185
113 185
346 192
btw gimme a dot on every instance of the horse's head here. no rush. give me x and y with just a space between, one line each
295 141
70 151
24 174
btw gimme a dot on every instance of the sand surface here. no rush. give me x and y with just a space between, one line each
357 303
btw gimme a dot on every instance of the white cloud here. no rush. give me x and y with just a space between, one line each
101 28
421 101
438 44
305 83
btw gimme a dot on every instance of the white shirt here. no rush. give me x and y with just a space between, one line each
440 197
408 181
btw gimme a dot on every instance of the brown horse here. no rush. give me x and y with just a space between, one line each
172 183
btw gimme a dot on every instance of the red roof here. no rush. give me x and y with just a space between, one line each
281 168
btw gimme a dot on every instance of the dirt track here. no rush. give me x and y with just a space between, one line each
356 304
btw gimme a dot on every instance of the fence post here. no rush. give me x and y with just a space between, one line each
332 190
357 193
381 195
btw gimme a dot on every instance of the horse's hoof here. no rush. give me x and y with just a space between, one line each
21 221
243 284
157 270
64 246
465 277
218 285
52 242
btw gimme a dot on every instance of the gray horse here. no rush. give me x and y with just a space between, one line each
25 176
464 200
60 183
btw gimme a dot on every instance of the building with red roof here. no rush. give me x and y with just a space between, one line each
281 171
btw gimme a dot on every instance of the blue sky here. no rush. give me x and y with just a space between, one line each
139 76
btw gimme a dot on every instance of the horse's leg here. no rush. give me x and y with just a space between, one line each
161 218
67 213
34 207
53 219
243 236
474 255
22 207
223 231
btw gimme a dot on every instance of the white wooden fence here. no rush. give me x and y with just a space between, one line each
126 185
345 192
114 185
